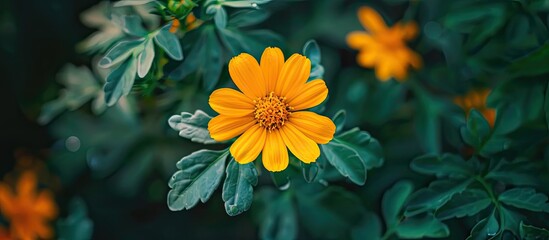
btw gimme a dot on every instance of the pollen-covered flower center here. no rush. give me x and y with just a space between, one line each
271 111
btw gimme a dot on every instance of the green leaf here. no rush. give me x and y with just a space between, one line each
80 87
485 228
467 203
525 198
123 3
427 123
547 105
369 228
435 196
199 175
477 130
339 120
510 220
220 15
119 52
77 225
346 161
238 188
120 81
521 172
252 42
246 18
532 64
309 170
169 43
533 233
445 165
312 51
192 126
393 200
276 215
145 59
131 24
330 213
243 3
206 58
422 227
368 149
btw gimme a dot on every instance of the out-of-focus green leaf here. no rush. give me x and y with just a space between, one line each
435 196
310 171
330 213
131 24
245 18
547 105
238 187
120 81
532 64
123 3
276 215
369 227
532 233
77 225
198 177
192 126
206 58
169 43
521 172
145 59
243 3
220 15
81 86
525 198
393 201
445 165
477 130
99 17
252 42
422 227
485 228
466 203
119 53
427 124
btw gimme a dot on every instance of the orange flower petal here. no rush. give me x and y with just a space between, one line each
230 102
316 127
371 20
275 154
294 74
247 75
223 128
384 69
26 185
408 30
42 230
367 58
300 145
358 40
272 61
310 95
45 206
6 200
248 146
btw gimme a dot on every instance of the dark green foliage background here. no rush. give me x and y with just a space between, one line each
434 159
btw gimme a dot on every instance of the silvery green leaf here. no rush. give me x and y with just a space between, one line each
169 42
123 3
199 176
145 59
131 24
243 3
120 81
192 126
119 52
248 17
77 225
99 17
525 198
238 187
220 15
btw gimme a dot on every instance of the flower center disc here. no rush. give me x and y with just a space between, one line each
271 112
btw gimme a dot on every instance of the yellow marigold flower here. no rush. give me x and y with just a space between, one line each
27 210
476 99
269 110
382 47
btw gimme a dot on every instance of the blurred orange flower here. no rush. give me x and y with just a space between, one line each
27 209
384 48
476 99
